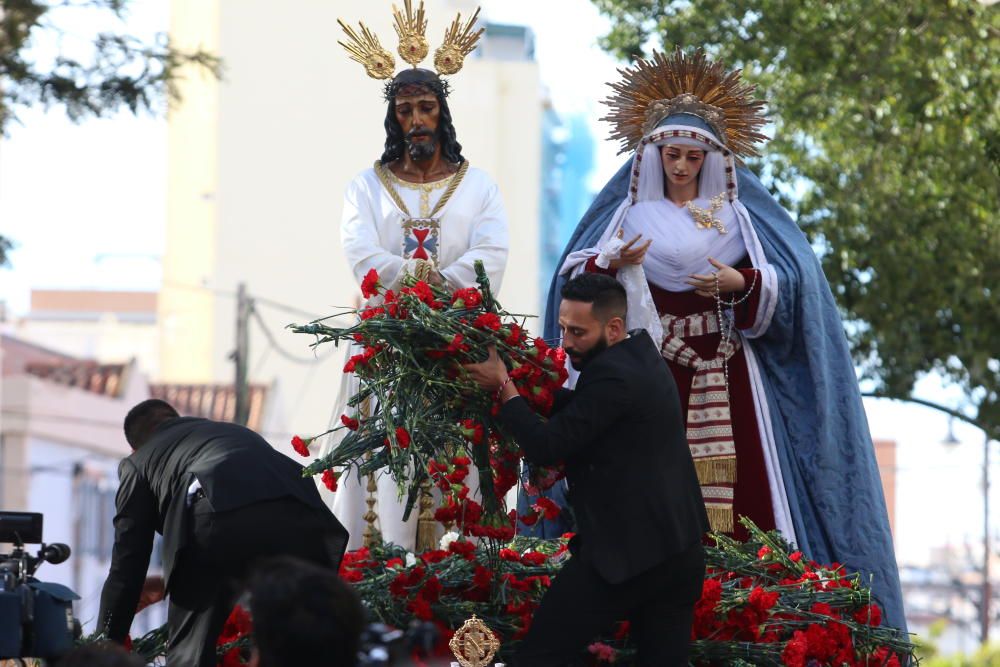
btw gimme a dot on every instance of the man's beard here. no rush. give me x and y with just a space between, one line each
421 150
579 360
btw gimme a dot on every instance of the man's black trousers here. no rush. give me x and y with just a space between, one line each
581 606
211 571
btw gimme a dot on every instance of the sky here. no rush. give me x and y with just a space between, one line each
85 204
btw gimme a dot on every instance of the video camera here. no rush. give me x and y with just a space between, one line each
36 618
384 646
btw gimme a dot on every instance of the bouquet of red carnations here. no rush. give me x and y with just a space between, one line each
416 414
762 602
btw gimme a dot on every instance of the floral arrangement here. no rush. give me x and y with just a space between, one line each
232 646
761 603
417 416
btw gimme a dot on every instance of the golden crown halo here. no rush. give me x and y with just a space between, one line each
460 40
655 88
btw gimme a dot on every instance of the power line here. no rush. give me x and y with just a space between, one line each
68 419
270 303
284 353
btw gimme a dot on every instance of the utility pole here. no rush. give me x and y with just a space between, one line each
243 308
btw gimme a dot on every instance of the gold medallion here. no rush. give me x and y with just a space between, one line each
474 645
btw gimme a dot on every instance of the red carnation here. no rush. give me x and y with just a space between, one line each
870 614
761 599
466 298
482 576
509 554
546 506
472 430
421 608
603 652
466 550
489 321
529 519
301 446
434 556
370 284
350 423
402 437
533 558
423 291
330 479
456 345
796 650
515 337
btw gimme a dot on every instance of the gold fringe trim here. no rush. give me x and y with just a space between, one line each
721 519
719 470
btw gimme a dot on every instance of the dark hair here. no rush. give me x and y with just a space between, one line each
303 615
100 654
395 138
142 420
605 294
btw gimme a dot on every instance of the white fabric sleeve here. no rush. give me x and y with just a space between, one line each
769 288
360 239
488 241
575 261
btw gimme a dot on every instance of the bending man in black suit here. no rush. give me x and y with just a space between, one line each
222 498
633 488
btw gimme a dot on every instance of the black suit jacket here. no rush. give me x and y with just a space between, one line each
621 434
235 467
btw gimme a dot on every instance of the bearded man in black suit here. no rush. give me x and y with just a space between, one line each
633 489
222 498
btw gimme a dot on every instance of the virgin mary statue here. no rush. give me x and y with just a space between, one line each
729 287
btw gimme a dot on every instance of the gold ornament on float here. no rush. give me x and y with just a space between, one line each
474 645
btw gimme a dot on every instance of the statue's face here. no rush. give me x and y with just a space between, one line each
682 164
418 116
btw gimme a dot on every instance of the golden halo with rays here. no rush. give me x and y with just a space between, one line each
460 39
653 88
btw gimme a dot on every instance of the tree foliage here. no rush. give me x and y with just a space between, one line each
5 248
886 125
121 72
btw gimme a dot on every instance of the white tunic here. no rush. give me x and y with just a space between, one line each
472 225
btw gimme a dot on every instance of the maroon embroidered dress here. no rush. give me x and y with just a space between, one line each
751 494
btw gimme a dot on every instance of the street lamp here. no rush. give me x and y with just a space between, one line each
986 593
950 439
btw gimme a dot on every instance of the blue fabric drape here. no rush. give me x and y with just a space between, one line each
824 445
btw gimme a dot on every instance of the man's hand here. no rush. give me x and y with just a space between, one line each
153 591
489 374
